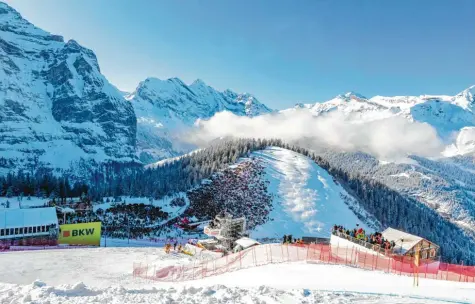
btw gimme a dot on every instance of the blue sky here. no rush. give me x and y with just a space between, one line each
283 52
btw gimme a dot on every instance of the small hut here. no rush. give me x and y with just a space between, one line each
406 244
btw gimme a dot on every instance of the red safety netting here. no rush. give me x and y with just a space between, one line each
315 253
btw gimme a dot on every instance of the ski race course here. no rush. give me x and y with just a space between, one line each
105 275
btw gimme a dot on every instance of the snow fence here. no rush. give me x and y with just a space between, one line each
315 253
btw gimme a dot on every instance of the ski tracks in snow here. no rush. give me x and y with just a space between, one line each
307 199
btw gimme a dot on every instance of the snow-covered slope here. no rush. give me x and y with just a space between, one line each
55 105
166 108
104 275
447 114
307 200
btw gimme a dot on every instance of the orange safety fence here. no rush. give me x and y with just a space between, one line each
314 253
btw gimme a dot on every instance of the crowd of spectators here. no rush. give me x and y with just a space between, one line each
360 234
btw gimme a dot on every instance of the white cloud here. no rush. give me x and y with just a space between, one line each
392 138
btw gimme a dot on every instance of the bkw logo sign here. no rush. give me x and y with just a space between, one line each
81 234
78 232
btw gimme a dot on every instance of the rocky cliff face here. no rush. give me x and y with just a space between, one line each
166 108
55 105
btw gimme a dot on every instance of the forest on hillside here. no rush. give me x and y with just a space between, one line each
188 173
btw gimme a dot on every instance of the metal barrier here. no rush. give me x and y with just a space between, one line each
315 253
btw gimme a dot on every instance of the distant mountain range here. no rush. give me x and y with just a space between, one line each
450 116
56 107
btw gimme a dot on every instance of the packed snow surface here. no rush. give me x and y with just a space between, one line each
307 201
103 275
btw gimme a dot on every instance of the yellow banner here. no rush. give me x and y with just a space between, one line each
80 234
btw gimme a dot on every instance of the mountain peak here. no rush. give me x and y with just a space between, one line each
199 82
12 21
6 9
468 93
353 95
466 98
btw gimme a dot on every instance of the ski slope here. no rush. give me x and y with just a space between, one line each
103 275
307 200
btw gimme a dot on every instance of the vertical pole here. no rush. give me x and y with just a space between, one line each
376 264
402 265
308 247
337 250
282 248
460 278
346 255
227 265
288 256
270 249
267 254
389 263
364 263
240 260
439 271
427 268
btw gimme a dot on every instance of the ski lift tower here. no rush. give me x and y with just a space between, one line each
226 229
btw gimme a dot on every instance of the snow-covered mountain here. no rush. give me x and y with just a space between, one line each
57 108
165 108
447 114
55 105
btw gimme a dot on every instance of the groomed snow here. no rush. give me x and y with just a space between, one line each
103 275
307 201
23 202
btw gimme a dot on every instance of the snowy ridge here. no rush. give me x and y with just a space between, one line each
307 200
167 108
170 160
447 114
